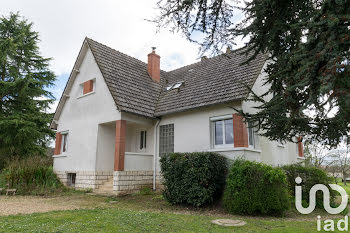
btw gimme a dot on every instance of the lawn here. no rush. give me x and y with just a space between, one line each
147 213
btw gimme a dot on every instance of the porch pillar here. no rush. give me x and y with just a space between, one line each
119 154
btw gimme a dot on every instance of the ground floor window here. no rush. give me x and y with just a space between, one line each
166 139
253 136
143 139
222 131
64 143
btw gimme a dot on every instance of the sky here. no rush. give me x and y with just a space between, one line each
63 25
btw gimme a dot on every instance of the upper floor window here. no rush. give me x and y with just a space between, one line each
222 132
87 87
143 139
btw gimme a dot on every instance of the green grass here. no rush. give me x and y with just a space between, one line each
119 220
149 213
346 187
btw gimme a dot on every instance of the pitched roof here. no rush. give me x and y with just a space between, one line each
215 80
127 79
212 81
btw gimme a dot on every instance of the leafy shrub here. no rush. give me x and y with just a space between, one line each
194 179
32 175
310 177
255 188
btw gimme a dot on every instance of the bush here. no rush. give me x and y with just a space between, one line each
194 179
255 188
310 177
32 175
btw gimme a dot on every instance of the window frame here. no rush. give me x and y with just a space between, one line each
251 134
254 137
213 120
64 141
81 88
143 139
171 146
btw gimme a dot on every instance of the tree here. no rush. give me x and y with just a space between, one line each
341 158
24 76
316 155
308 45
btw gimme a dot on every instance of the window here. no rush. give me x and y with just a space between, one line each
143 139
223 132
174 86
253 136
64 143
87 87
166 139
71 179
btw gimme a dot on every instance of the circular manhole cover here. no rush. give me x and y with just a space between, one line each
229 222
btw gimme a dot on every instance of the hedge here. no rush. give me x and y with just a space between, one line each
194 179
255 188
310 177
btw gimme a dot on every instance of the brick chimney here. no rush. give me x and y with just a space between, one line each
153 66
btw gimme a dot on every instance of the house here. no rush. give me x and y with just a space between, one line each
118 115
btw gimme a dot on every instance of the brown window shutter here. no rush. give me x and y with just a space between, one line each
240 132
88 86
300 147
58 144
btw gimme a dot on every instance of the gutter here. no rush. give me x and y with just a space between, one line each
155 155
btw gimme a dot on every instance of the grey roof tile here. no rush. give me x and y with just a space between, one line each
216 80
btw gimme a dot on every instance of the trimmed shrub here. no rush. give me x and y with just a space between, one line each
310 177
32 175
194 179
255 188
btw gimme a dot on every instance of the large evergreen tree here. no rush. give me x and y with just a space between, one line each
308 44
24 76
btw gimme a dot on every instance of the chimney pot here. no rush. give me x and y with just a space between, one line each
153 66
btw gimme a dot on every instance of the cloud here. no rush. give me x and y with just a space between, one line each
63 25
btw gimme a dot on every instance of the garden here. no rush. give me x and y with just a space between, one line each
199 188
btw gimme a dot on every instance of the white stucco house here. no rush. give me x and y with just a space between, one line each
118 115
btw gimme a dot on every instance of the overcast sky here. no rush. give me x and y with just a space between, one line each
64 24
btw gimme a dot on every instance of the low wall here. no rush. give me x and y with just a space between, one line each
125 182
138 161
85 179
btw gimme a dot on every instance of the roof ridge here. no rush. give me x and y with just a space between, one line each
124 54
208 59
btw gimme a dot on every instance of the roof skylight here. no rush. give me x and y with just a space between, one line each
174 86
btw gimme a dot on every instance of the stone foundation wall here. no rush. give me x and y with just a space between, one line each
126 182
85 179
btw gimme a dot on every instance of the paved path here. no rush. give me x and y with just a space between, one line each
10 205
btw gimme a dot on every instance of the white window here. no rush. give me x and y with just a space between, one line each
143 139
222 132
64 143
253 136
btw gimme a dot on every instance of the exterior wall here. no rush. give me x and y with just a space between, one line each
85 179
126 182
273 152
81 116
192 132
105 147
